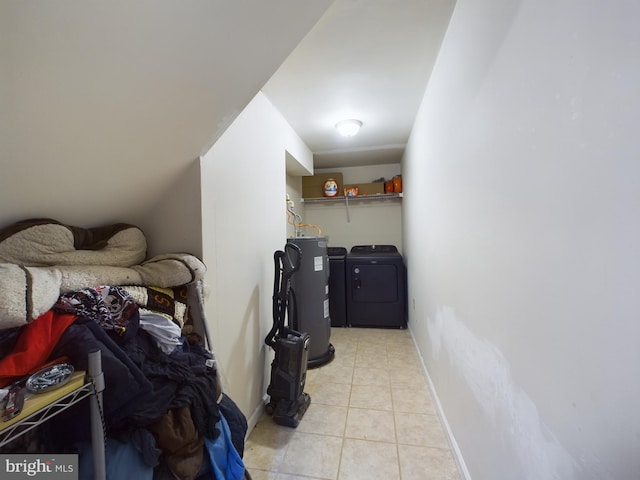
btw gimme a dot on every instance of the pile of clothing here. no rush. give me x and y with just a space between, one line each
162 403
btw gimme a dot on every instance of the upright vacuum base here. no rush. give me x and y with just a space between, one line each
288 377
288 402
289 414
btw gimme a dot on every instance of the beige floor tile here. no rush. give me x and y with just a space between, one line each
338 339
420 430
345 357
383 334
286 476
343 332
412 399
373 337
329 393
366 346
404 344
370 376
312 455
400 357
420 463
262 474
375 346
312 374
407 376
374 397
345 348
364 460
374 425
371 358
401 338
324 420
267 444
371 416
332 373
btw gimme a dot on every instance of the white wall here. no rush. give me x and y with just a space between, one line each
244 222
174 223
522 200
365 222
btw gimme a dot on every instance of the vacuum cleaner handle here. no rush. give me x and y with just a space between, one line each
278 307
287 262
291 259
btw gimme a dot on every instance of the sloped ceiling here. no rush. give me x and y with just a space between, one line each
104 104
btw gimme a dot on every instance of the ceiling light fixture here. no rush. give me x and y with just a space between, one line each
348 128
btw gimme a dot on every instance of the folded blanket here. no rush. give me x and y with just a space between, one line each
169 270
28 292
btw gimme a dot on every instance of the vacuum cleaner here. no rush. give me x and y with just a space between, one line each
288 401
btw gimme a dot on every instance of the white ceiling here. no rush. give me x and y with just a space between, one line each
364 59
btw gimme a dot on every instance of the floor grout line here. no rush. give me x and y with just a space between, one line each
395 356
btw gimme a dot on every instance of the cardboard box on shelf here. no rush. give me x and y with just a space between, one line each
312 184
365 189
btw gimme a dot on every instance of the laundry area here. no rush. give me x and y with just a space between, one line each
347 223
319 285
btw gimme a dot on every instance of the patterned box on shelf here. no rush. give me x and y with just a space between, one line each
312 184
368 188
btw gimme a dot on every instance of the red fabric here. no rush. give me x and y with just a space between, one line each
36 342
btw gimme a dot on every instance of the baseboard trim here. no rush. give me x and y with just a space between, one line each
457 454
255 416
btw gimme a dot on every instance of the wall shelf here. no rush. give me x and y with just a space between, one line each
38 408
358 198
45 408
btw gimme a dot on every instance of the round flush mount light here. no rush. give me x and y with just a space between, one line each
348 128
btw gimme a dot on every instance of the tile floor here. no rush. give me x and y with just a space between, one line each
371 417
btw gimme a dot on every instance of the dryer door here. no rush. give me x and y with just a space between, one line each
374 283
